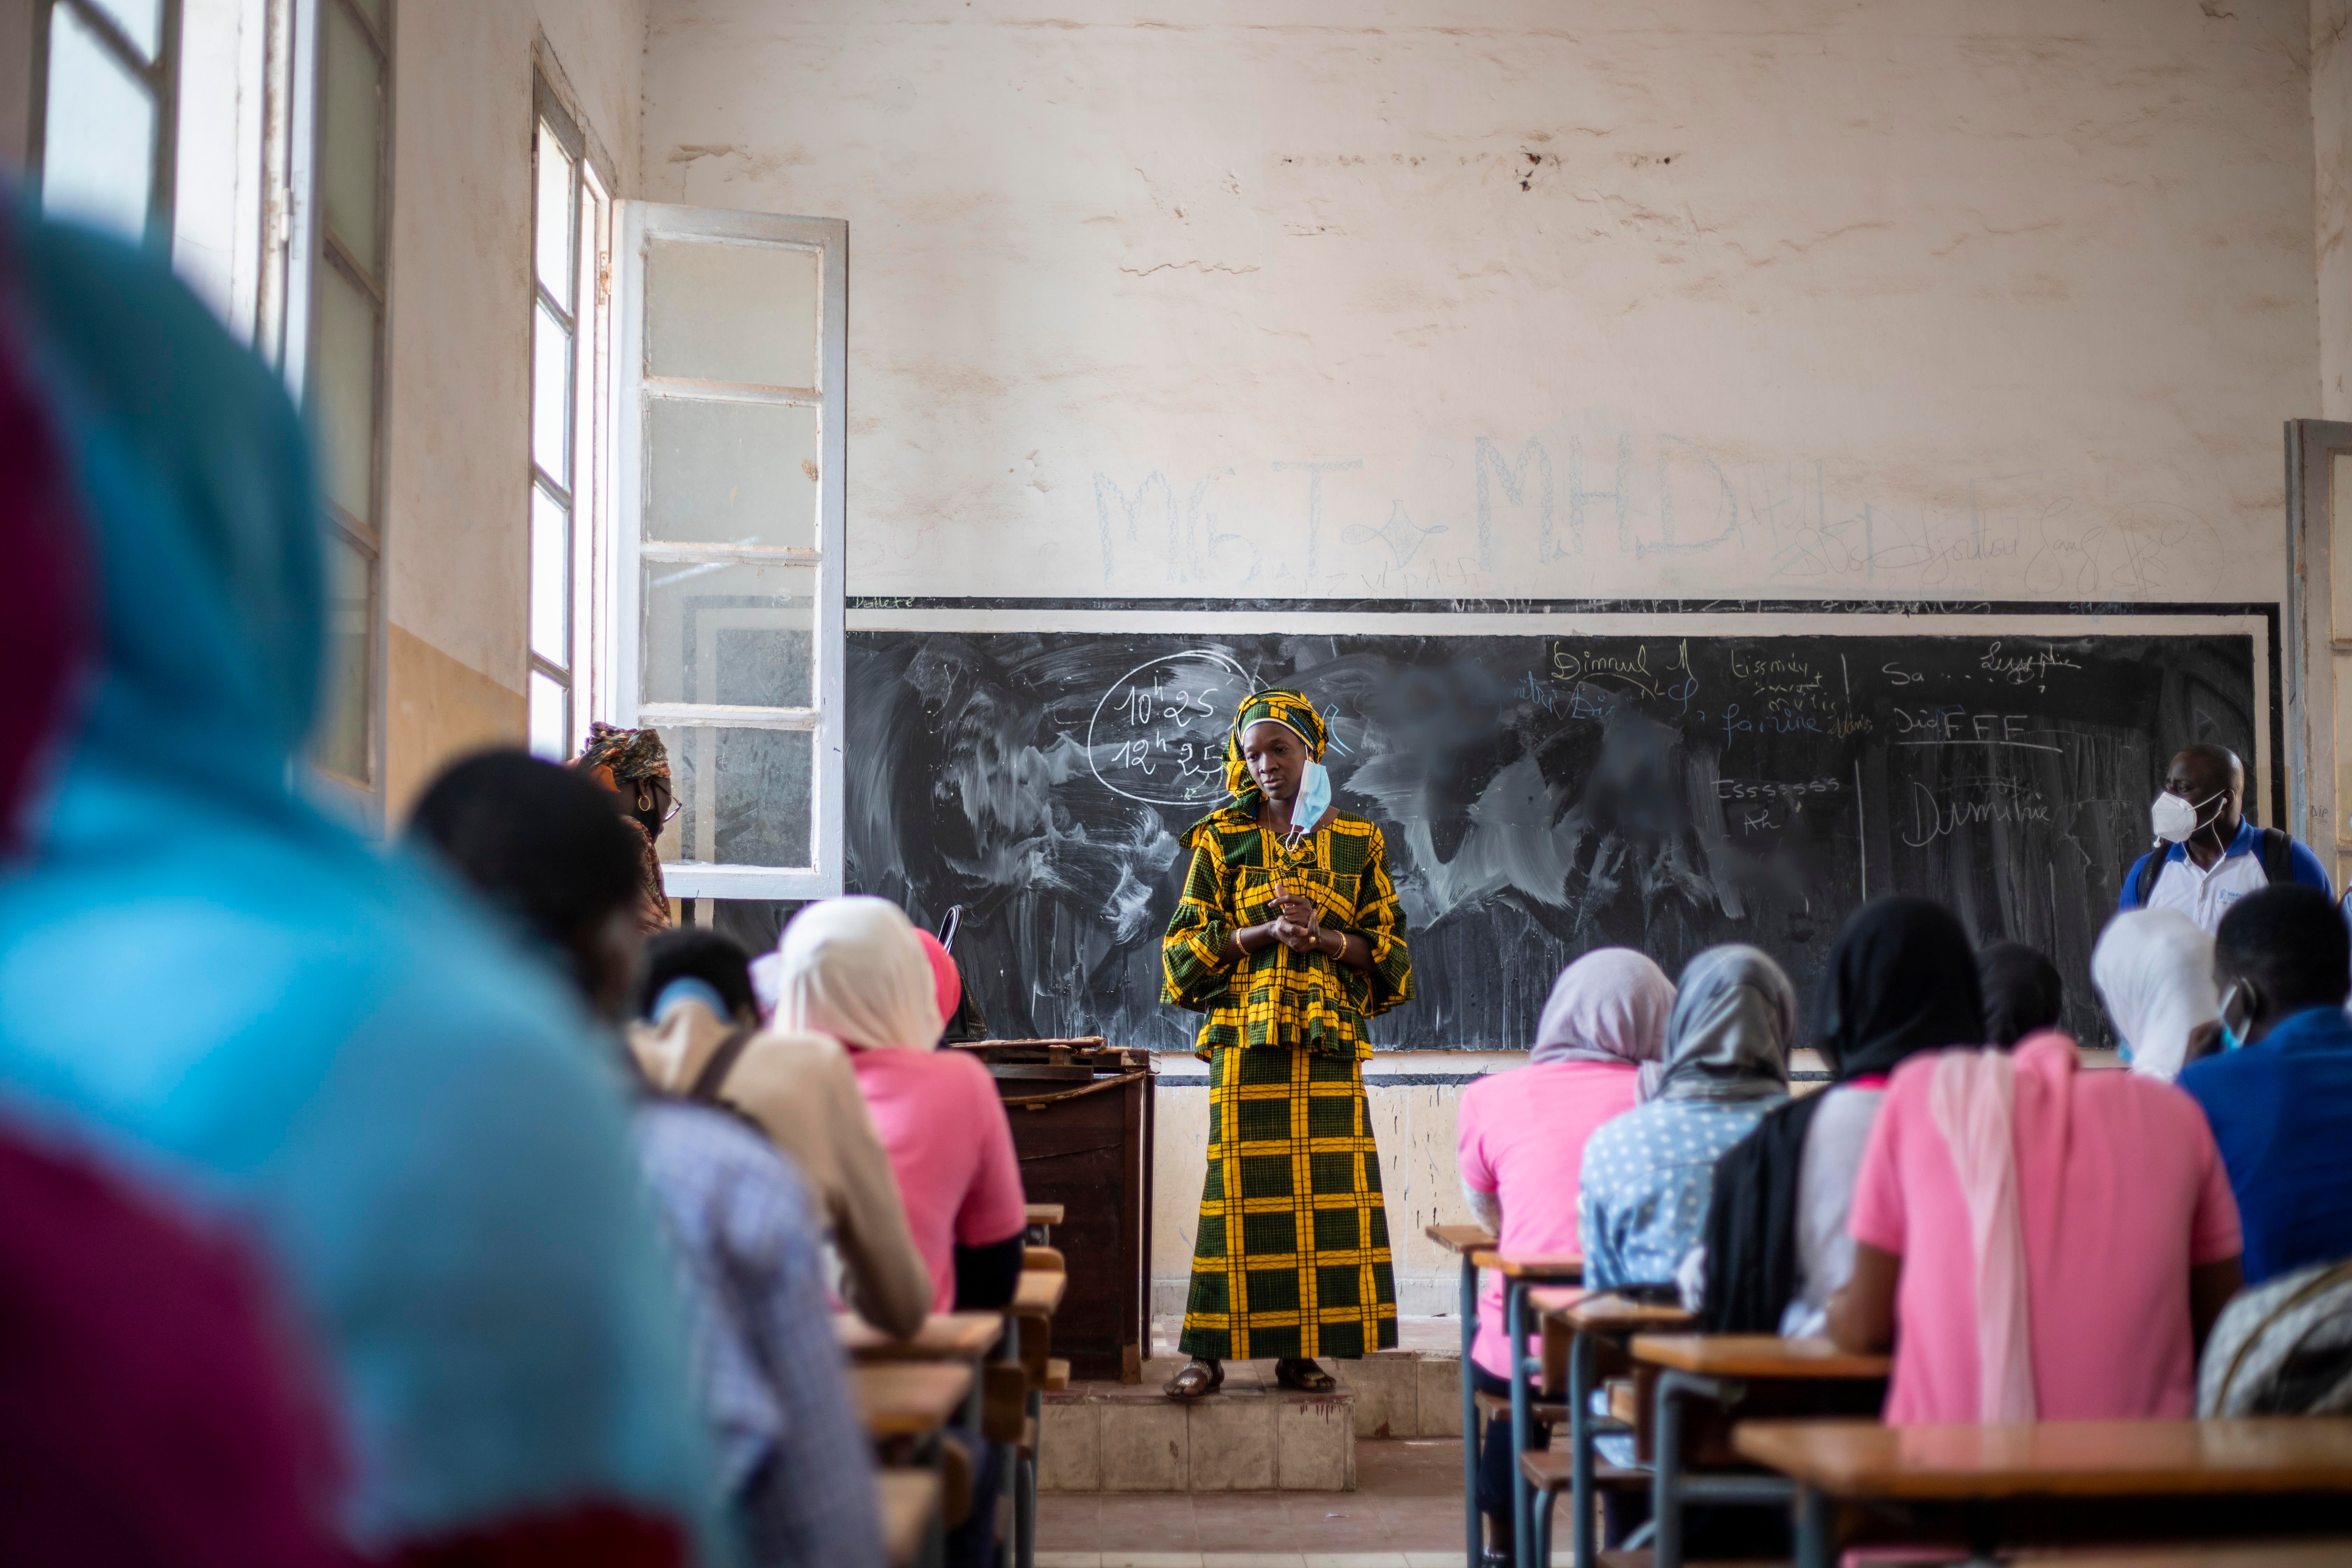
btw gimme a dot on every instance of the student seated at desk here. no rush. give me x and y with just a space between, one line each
2035 1241
695 997
852 970
2281 1104
542 843
1901 979
2023 992
1645 1182
1521 1138
2154 970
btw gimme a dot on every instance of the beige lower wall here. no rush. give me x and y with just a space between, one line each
437 708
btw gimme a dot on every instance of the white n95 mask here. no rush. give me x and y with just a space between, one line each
2175 818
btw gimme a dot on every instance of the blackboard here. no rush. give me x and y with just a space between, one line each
1540 794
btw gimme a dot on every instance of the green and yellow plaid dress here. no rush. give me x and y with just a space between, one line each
1292 1258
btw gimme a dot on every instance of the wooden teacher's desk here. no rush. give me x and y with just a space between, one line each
2218 1478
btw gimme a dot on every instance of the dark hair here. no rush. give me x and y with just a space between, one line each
539 842
2291 943
694 952
2023 992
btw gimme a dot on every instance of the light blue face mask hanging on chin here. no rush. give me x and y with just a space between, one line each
1314 799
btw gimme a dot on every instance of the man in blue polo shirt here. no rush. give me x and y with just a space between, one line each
2281 1104
2215 856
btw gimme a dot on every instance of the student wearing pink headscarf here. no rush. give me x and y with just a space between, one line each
1521 1139
2038 1243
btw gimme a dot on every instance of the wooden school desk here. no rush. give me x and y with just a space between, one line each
1035 1299
1521 1274
909 1401
1732 1371
911 1524
1466 1241
2220 1477
2221 1554
1577 1326
1043 1218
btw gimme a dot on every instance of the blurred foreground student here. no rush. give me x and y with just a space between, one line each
320 1047
800 1089
2154 970
542 845
2038 1243
2281 1104
2023 994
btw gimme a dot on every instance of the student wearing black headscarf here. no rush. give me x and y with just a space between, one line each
1902 978
2023 994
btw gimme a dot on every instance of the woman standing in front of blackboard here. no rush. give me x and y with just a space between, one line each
1288 937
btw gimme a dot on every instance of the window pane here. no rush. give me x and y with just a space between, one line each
732 312
553 218
745 793
550 718
340 743
551 578
98 154
550 395
351 115
142 21
731 473
740 635
344 391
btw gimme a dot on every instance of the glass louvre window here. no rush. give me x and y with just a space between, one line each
567 223
106 87
343 371
729 580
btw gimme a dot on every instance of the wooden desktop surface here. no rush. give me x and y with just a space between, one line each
1755 1355
1608 1312
1045 1213
1040 1292
907 1401
1461 1237
944 1336
2067 1458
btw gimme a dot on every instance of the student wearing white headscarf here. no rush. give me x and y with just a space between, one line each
2154 970
1647 1175
1521 1136
852 970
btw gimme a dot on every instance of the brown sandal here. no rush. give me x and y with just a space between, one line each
1197 1380
1305 1377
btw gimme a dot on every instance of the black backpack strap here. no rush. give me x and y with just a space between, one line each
713 1076
2278 856
2151 866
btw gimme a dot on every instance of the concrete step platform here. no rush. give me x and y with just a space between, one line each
1414 1391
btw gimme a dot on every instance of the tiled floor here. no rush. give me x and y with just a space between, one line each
1408 1500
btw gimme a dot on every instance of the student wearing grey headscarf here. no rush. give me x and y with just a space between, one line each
1647 1174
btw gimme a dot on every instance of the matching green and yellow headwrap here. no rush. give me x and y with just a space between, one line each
1290 709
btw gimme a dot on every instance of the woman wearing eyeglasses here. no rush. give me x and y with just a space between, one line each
634 765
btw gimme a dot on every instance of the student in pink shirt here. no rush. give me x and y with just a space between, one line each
856 969
2037 1242
1520 1140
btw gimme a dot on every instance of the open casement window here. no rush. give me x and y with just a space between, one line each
733 338
105 90
2319 638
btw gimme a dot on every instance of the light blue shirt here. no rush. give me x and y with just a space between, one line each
1642 1197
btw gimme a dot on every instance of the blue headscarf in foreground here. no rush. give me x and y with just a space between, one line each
205 979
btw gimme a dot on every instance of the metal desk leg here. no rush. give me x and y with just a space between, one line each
1473 1538
1665 1477
1008 1457
1523 1512
1583 1354
1815 1519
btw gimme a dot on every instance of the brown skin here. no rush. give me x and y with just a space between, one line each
2198 774
1278 759
1861 1313
608 952
648 801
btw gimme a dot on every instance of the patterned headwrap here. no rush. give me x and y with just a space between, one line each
627 755
1284 707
